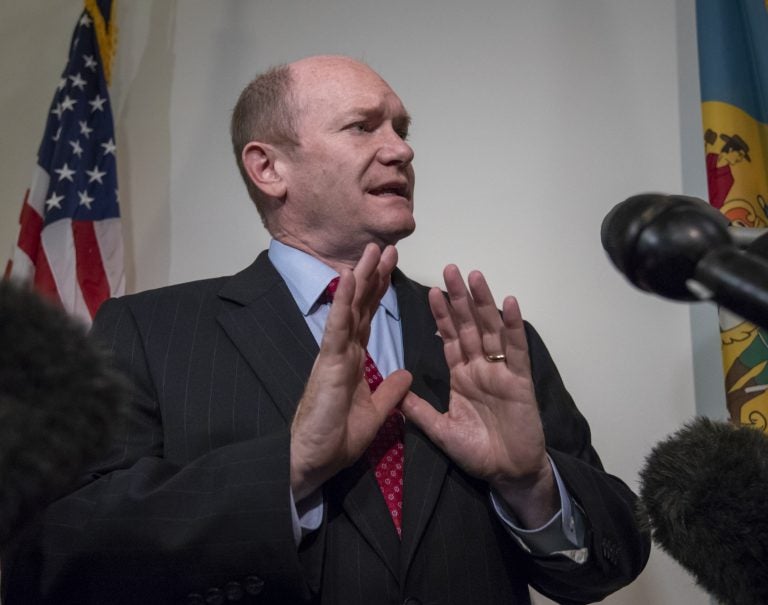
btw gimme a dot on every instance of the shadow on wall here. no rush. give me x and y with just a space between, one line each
144 155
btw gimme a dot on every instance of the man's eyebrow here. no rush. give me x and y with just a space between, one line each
402 121
376 111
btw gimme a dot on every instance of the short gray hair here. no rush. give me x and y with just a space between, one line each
265 111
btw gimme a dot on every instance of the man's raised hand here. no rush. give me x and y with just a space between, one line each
492 428
338 416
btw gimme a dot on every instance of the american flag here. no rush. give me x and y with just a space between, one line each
70 243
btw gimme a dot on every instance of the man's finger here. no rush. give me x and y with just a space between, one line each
391 391
487 313
368 262
372 273
463 313
379 282
424 416
515 340
338 327
388 261
441 312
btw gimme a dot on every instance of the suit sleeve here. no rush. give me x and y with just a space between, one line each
143 529
618 548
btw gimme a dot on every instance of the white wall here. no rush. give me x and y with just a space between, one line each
532 118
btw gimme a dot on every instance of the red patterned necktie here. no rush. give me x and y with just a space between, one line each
385 454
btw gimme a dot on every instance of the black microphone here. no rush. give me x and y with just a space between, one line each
681 248
704 491
60 402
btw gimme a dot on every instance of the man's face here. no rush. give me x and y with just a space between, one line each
350 180
734 156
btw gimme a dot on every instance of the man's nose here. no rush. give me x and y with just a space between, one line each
395 150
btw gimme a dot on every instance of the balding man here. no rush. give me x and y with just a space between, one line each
319 428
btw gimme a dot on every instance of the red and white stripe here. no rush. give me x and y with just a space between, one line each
78 263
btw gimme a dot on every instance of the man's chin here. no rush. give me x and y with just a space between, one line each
391 237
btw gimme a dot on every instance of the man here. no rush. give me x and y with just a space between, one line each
720 164
249 469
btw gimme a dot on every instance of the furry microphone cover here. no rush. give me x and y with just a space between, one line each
705 491
59 404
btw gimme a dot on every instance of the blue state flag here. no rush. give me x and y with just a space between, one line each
733 66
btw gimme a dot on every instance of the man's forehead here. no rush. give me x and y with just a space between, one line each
336 78
367 104
322 64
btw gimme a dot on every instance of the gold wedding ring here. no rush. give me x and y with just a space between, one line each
496 357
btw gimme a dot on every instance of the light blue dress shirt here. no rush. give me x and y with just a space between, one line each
306 278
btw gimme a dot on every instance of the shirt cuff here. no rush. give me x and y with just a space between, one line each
307 515
563 534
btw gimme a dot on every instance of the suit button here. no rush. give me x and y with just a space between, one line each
214 597
195 599
234 591
254 585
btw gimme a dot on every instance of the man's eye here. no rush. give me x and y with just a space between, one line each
360 127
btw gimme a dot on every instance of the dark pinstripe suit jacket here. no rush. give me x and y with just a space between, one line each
192 505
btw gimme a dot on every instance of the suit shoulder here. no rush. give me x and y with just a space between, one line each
176 293
190 289
176 300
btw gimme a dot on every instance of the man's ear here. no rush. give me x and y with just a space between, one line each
262 163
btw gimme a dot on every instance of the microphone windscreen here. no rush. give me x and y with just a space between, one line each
657 240
704 491
60 402
624 223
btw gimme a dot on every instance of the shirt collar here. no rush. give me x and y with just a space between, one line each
307 278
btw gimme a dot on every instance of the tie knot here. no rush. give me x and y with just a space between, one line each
330 290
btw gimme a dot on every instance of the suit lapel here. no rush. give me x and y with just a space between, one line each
425 464
270 332
356 491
